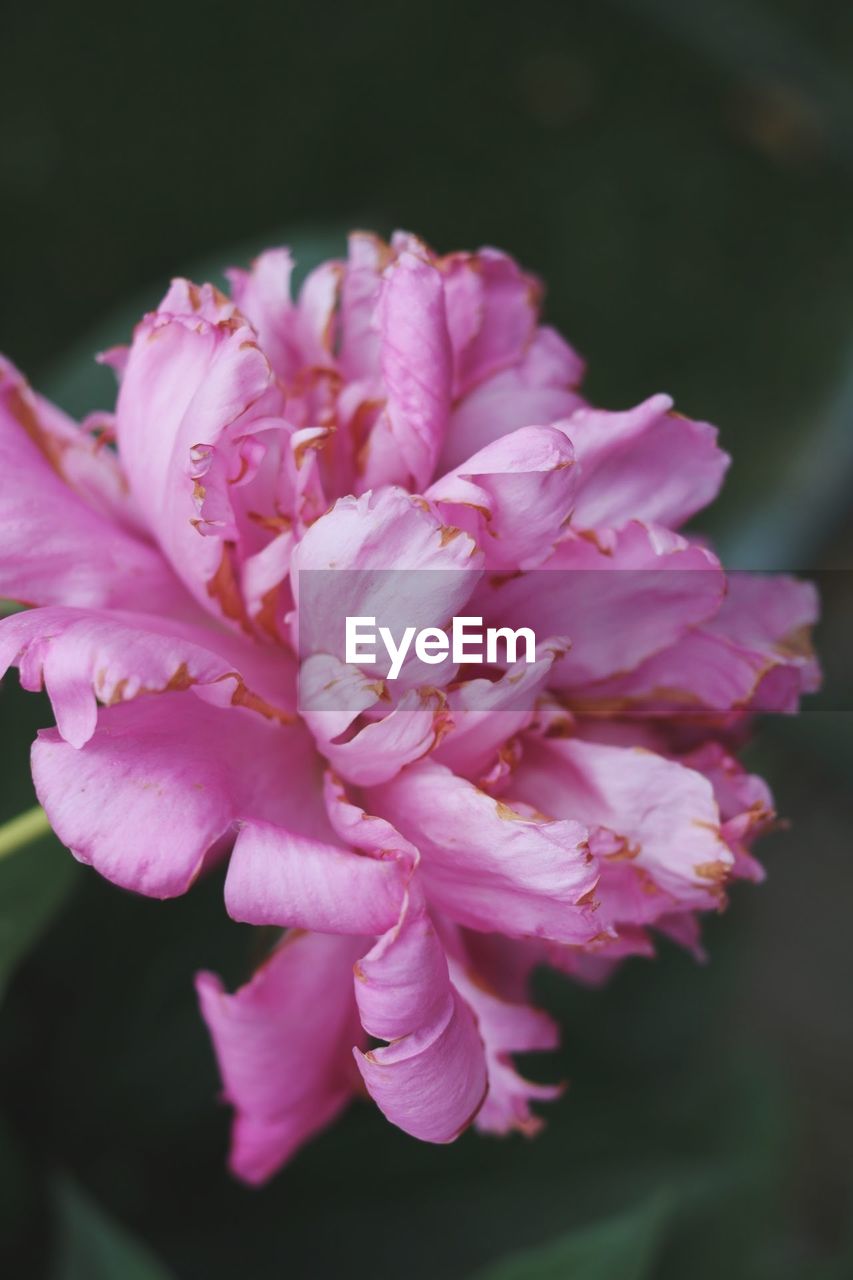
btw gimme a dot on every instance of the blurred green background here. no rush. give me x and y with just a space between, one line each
682 177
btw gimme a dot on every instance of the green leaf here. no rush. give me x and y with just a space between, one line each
91 1247
34 881
624 1247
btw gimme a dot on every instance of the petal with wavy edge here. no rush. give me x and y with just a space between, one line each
514 496
284 1045
486 865
163 780
61 540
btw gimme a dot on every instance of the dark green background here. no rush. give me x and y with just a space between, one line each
681 174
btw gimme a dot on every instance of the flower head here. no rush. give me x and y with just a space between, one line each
426 843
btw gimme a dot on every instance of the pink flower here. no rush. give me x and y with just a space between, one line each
427 843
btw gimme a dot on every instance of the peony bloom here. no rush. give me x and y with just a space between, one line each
427 843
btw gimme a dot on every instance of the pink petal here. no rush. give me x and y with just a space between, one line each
367 258
431 1079
661 821
492 310
193 391
486 865
753 653
391 534
616 604
514 496
486 714
62 546
85 656
276 877
284 1044
507 1028
416 369
263 296
164 780
648 463
539 388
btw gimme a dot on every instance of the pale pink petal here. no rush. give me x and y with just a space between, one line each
617 603
284 1044
648 463
661 841
278 878
486 865
514 496
492 310
61 546
396 543
431 1079
163 780
416 370
540 388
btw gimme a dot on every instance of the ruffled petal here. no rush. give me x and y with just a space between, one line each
654 823
165 780
507 1028
284 1045
416 365
616 603
754 654
194 389
514 496
541 387
86 656
333 697
62 540
430 1079
648 463
488 866
485 715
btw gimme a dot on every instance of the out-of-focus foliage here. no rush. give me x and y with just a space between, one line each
90 1247
33 884
620 1248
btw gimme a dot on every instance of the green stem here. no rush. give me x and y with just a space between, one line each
22 830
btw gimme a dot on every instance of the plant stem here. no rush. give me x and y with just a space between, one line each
22 830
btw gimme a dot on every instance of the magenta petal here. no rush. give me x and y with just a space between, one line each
164 779
648 463
488 866
284 1044
415 358
85 656
276 877
431 1079
514 496
61 543
664 818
